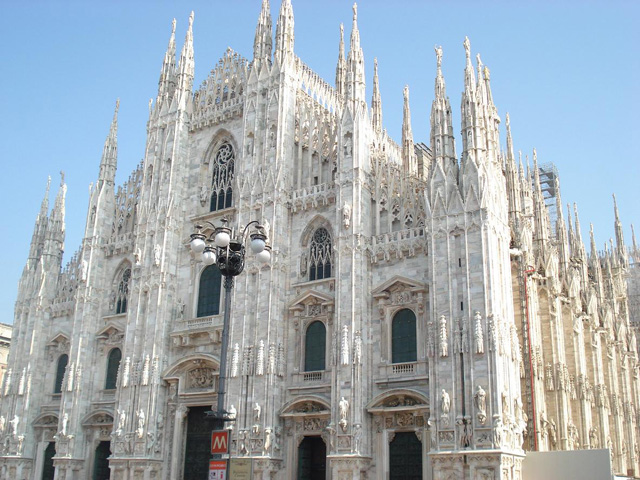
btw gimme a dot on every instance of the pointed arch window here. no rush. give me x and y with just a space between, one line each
63 360
403 337
221 187
122 293
209 291
320 255
113 364
315 343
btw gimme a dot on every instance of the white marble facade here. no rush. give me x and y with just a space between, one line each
518 339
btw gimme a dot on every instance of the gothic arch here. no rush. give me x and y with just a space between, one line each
97 417
306 404
184 363
383 399
120 289
316 222
219 138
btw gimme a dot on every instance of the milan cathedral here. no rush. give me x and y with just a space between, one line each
422 316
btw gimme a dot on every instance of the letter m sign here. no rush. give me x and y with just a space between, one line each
219 441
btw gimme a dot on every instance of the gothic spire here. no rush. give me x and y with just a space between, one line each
469 107
408 149
341 67
262 44
109 161
618 229
442 139
167 81
355 63
39 229
511 173
376 101
186 67
284 32
54 243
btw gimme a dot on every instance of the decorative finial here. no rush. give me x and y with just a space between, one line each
173 27
507 120
478 60
117 105
355 11
375 64
61 178
342 30
487 74
438 50
191 19
467 47
150 105
405 93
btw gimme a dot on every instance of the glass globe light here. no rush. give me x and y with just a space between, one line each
209 256
222 238
265 255
197 243
257 242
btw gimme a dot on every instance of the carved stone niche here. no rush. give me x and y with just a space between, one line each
57 346
393 295
109 337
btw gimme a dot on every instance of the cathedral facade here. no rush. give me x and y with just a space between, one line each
418 319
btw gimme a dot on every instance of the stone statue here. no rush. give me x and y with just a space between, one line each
343 408
156 255
467 46
268 438
14 425
438 50
65 420
346 215
480 400
593 437
2 423
125 372
357 438
141 419
331 434
122 419
232 413
497 431
257 410
137 255
357 349
445 402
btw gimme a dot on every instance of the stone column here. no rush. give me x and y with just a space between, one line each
181 414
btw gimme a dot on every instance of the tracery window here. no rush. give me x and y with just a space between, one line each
221 187
315 343
122 294
209 291
403 337
63 360
113 364
320 255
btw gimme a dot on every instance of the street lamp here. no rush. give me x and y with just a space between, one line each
228 252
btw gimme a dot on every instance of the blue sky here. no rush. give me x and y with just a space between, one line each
567 72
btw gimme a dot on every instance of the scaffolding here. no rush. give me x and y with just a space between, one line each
548 183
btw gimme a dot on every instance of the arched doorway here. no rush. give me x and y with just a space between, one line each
48 470
405 457
101 461
198 445
312 459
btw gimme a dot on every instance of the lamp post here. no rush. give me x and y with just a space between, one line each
228 253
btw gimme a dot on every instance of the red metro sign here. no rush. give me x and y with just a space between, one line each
220 442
